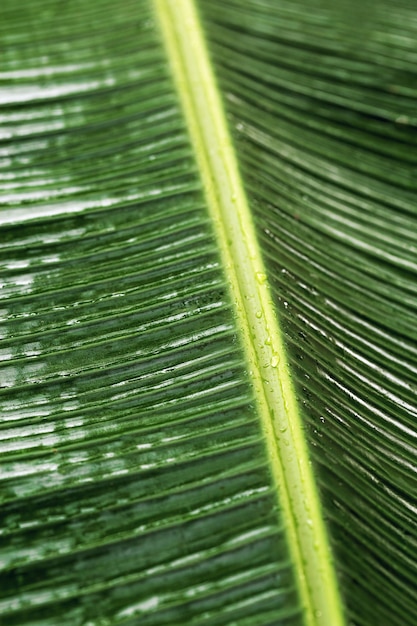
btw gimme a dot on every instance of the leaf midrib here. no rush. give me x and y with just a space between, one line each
260 333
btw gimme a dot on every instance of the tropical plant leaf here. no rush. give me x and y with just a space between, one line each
328 135
155 463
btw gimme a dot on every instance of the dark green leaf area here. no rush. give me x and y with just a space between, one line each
152 543
134 482
323 111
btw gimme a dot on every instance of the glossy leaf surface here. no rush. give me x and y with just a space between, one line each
136 481
325 125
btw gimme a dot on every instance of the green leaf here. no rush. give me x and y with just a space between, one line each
208 261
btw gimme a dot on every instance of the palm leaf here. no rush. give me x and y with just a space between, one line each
208 241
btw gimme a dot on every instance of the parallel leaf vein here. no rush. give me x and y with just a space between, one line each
261 335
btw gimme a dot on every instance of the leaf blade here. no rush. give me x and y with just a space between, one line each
329 165
134 481
262 337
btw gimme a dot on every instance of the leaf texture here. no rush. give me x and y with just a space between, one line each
325 126
135 481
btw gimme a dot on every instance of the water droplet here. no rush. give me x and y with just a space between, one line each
274 361
402 119
260 277
258 314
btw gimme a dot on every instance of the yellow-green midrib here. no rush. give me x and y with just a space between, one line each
259 327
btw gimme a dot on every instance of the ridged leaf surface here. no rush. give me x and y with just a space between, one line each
137 476
324 118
